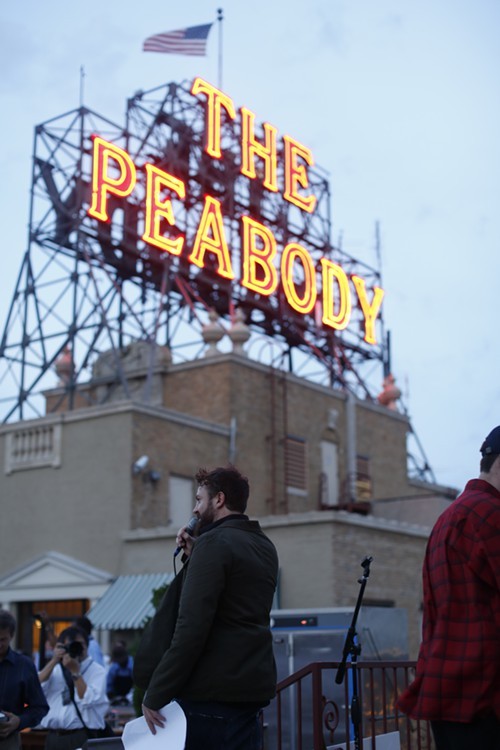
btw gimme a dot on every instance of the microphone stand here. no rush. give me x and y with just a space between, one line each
354 649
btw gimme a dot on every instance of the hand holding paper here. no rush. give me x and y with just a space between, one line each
153 718
170 733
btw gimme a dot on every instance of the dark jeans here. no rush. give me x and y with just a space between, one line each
221 726
481 734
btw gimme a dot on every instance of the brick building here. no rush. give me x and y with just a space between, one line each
328 476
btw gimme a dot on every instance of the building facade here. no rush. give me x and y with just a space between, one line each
98 492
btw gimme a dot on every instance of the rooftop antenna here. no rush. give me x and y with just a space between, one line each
220 18
82 80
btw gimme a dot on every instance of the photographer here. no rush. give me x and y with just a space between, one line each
75 688
22 702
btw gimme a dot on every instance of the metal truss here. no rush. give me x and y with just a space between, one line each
90 288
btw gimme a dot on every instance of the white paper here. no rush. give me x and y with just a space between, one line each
389 741
137 735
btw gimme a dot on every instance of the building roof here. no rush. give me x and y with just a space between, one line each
127 602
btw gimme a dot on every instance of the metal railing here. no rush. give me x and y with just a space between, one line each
311 712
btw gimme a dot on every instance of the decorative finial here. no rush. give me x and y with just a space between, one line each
212 333
64 366
239 333
390 393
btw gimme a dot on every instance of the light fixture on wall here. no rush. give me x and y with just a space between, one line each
141 467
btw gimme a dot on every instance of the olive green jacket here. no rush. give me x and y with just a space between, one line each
210 639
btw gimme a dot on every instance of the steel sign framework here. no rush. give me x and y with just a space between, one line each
86 287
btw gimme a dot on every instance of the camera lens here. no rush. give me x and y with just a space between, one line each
74 649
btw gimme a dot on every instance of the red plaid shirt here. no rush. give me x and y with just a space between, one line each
458 668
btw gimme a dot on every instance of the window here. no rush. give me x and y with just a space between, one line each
295 464
61 614
363 479
181 500
329 484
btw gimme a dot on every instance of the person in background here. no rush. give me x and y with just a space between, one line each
119 681
75 688
130 658
457 682
22 702
94 648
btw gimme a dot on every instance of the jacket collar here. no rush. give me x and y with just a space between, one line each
232 517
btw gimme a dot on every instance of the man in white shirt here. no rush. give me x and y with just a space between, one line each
75 689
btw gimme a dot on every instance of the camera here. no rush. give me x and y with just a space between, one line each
3 717
74 649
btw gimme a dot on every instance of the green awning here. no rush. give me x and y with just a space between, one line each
127 602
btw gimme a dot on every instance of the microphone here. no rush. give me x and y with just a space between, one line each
190 529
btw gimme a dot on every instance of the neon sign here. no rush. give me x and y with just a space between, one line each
115 174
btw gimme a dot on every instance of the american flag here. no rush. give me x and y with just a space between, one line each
191 41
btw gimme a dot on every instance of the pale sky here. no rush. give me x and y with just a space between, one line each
400 104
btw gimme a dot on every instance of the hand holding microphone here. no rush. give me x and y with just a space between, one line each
185 533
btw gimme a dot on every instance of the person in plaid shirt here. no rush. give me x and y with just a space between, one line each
457 682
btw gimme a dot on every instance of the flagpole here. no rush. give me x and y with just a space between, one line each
220 18
82 78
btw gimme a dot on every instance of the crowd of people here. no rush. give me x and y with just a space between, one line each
209 645
69 694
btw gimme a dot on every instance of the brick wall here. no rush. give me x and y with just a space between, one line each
268 405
